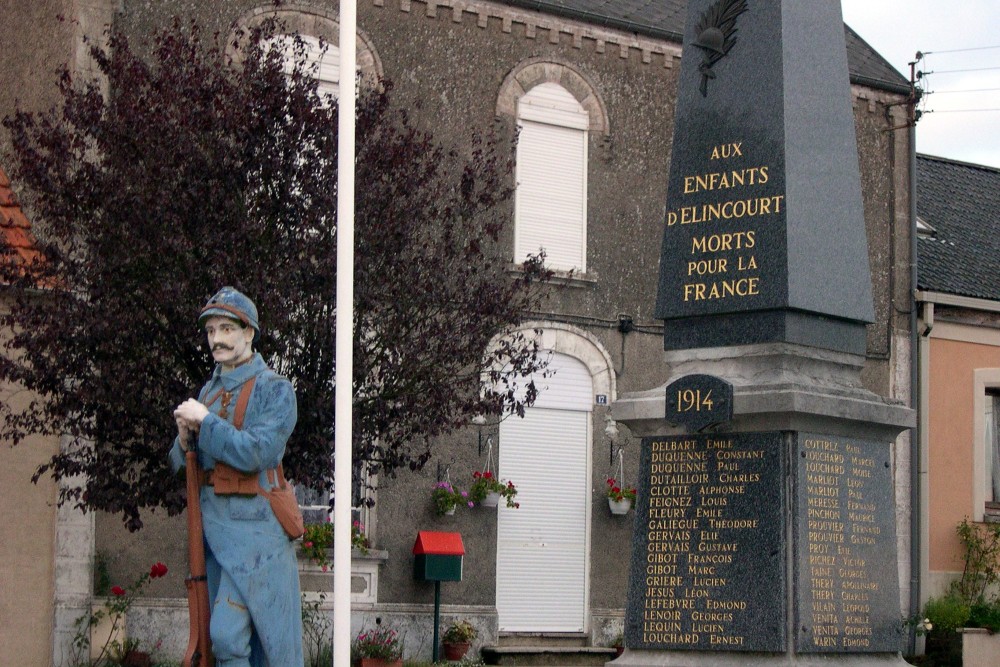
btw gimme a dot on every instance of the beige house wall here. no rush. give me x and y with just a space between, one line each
27 539
956 352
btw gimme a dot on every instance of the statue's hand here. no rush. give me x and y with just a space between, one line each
191 411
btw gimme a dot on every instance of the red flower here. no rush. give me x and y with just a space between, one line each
117 591
157 570
477 474
611 481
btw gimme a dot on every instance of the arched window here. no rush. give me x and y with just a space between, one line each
551 196
324 59
556 108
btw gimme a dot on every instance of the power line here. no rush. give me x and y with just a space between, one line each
953 71
964 90
960 110
973 48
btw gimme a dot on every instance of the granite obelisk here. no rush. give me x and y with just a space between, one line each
765 530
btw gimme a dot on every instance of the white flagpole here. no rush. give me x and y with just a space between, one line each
345 340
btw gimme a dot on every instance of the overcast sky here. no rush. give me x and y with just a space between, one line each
953 35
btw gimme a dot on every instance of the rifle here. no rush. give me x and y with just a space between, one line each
199 650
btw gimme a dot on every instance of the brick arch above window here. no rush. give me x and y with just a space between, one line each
311 21
534 71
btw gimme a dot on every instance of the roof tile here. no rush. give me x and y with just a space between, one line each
665 19
961 202
17 243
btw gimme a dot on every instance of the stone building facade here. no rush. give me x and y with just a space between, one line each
592 92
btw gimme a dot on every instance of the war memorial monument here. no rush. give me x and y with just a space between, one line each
765 526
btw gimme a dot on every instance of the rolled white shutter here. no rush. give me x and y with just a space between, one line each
551 196
542 557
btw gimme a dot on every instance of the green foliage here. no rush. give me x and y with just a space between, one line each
379 643
619 492
317 633
484 483
985 615
102 576
982 559
211 164
318 538
947 613
115 608
446 497
459 632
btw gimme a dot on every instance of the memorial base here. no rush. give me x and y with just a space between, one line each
775 530
639 658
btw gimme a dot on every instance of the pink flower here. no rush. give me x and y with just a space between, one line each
307 545
117 591
324 568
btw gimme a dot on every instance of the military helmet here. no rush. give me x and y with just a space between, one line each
230 302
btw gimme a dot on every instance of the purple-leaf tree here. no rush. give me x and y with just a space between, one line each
202 168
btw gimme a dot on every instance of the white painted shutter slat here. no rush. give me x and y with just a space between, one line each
541 547
550 206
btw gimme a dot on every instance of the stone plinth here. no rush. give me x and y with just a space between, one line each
768 539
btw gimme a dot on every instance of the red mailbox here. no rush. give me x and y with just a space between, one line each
438 556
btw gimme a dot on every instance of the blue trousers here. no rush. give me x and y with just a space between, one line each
231 627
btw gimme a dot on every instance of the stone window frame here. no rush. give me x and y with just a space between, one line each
537 70
983 380
315 22
577 343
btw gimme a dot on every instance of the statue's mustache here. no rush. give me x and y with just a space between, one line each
221 346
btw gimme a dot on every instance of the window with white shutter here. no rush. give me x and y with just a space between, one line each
551 198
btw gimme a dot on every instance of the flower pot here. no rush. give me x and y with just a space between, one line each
492 499
455 651
619 506
377 662
450 512
137 659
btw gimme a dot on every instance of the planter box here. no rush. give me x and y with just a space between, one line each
375 662
980 648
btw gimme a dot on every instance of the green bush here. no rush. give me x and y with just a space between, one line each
947 613
985 615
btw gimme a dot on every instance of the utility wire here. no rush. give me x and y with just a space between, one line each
960 110
973 48
954 71
965 90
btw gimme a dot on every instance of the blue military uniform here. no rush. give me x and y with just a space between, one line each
253 579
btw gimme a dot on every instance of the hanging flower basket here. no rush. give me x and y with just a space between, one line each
620 497
486 489
619 506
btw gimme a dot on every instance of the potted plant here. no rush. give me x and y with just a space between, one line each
620 497
318 538
377 648
487 490
457 639
447 498
618 643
